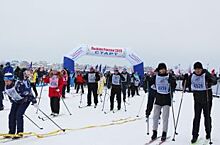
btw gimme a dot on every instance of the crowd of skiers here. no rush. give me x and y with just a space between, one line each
160 85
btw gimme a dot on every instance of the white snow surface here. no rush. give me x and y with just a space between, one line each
130 133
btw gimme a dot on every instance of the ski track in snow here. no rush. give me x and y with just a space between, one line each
131 133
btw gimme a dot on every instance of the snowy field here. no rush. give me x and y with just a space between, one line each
120 128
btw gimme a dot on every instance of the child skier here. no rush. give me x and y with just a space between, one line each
165 85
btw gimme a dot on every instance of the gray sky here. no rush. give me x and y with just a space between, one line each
174 31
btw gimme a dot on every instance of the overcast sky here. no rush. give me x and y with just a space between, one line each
173 31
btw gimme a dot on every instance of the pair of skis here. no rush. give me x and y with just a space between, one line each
155 141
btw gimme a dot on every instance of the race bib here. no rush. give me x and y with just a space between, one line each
13 93
198 83
162 84
91 78
116 80
54 81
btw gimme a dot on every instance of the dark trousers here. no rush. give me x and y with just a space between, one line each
124 91
92 88
198 108
136 89
55 104
1 100
68 86
132 90
116 90
78 86
16 117
33 85
64 91
150 101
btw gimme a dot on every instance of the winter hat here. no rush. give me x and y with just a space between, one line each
198 65
161 66
8 77
92 69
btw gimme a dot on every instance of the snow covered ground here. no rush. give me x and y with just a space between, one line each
129 133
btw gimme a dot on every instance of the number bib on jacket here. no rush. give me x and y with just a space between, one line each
116 80
54 82
13 93
198 83
162 84
91 78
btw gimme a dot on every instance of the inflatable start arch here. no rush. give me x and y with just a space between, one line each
71 58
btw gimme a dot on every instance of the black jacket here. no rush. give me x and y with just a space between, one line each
2 82
97 77
201 96
121 79
164 99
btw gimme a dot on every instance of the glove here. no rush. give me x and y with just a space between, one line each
147 114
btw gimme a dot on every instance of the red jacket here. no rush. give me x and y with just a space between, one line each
54 87
65 79
80 80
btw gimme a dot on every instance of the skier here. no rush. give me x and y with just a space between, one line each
2 87
165 85
20 96
136 83
55 82
125 83
33 80
116 79
200 83
80 81
65 80
92 79
151 93
101 84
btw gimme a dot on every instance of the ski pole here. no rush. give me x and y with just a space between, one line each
208 113
174 122
177 120
66 106
33 122
80 102
52 120
218 82
147 126
103 106
125 106
140 107
40 98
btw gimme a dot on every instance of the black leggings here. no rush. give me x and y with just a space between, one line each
55 104
33 85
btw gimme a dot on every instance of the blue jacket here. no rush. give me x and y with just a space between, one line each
23 90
